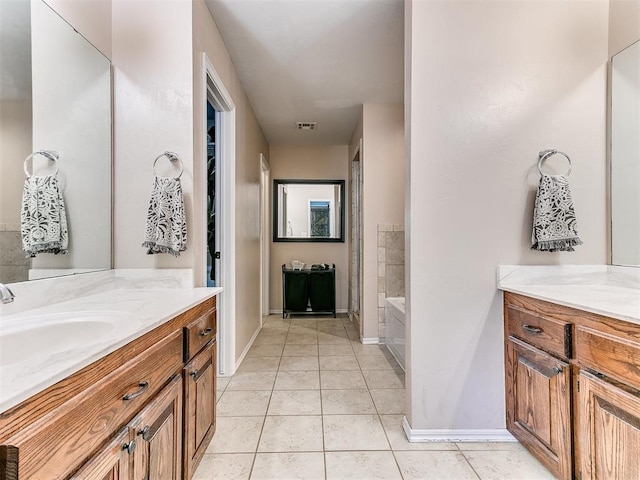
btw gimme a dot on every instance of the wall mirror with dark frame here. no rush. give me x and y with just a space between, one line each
308 210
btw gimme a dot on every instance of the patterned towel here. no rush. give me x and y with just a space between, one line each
43 217
166 230
554 220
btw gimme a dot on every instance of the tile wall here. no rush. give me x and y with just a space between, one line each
390 269
14 266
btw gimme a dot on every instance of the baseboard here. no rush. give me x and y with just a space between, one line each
371 341
416 435
246 350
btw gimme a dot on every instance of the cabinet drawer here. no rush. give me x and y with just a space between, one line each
198 333
548 334
56 444
614 356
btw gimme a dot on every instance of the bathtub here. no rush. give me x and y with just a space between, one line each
395 319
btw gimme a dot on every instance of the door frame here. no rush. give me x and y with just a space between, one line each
265 234
215 91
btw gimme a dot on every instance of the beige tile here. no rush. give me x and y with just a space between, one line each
230 466
297 381
265 350
299 338
288 466
295 402
376 362
326 349
490 446
291 434
352 333
329 324
354 432
236 435
252 381
270 337
361 465
349 380
360 349
384 378
347 402
304 322
222 382
300 350
389 401
242 403
299 363
259 364
394 281
436 465
393 427
516 465
339 362
333 339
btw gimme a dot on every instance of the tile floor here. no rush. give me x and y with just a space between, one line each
310 402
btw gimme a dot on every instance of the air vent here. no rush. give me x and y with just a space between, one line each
306 125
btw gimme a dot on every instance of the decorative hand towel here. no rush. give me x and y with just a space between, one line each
554 220
166 230
44 219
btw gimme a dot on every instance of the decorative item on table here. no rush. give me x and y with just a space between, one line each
297 265
554 218
166 228
43 217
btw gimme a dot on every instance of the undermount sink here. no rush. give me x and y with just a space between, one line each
47 335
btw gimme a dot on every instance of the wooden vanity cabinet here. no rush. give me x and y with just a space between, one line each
573 399
122 417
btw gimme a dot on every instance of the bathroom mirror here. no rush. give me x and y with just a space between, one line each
55 95
625 157
308 210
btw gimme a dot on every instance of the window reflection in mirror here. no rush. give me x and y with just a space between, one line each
308 210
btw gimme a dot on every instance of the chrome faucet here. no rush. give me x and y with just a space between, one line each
6 295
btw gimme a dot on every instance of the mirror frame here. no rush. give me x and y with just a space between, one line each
276 210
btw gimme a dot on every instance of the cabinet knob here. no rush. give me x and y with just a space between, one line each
206 331
194 374
130 447
556 370
144 433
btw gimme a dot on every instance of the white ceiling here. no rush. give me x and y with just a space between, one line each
314 61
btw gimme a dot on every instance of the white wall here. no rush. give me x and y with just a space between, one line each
72 115
323 162
488 85
382 164
153 112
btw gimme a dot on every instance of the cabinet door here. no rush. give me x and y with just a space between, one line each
610 433
157 430
538 399
199 407
111 463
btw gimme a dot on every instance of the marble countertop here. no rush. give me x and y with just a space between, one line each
602 289
139 311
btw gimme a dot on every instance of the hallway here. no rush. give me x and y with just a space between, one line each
310 402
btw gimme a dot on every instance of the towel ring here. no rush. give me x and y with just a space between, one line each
544 154
51 155
172 157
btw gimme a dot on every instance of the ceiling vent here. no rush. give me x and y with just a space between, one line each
306 125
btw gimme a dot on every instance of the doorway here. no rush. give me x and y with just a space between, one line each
265 234
219 208
356 240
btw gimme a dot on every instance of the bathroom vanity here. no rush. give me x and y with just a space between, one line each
573 376
144 410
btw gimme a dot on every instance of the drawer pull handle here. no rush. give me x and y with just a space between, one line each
556 370
206 331
130 396
531 329
130 447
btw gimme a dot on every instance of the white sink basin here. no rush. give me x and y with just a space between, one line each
47 335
